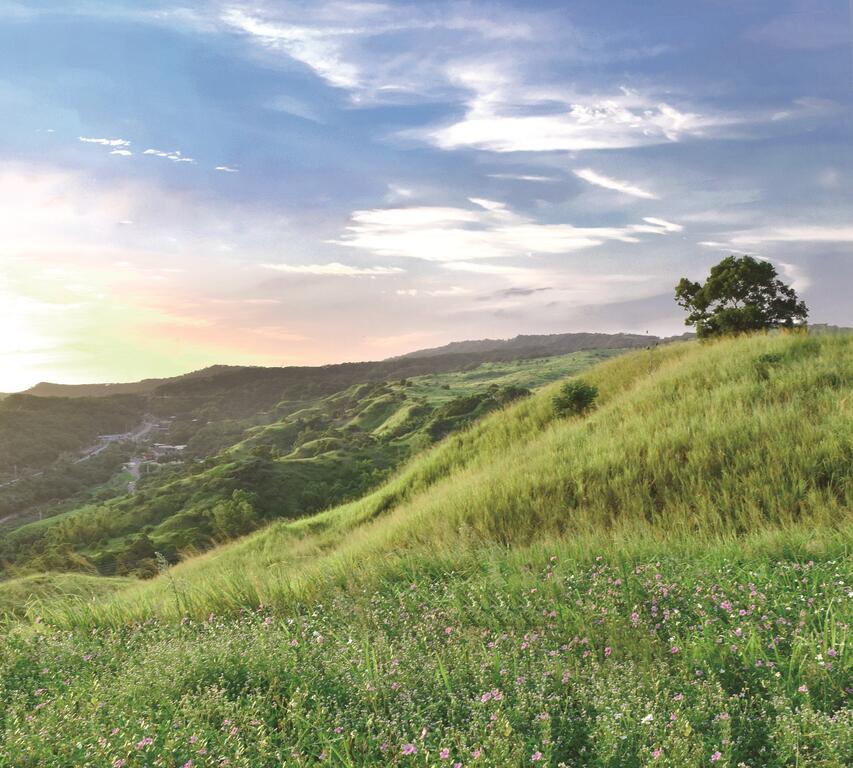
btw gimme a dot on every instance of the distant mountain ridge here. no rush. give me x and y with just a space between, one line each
546 345
143 387
479 350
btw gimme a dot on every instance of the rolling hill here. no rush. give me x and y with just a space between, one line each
662 581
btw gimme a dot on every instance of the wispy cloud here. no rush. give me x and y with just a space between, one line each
522 177
625 187
105 142
227 169
334 269
507 114
175 155
320 48
122 152
806 233
449 234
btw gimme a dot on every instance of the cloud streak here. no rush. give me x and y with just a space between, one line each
334 269
607 182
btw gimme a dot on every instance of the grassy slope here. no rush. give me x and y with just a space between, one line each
664 582
17 594
691 443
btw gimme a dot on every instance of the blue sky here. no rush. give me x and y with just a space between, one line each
307 182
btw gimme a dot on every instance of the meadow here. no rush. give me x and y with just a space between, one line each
663 581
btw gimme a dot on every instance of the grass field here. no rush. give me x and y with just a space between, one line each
665 581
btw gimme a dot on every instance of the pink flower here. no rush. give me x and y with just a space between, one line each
188 764
803 688
832 653
607 651
536 757
410 749
448 630
444 754
119 763
716 756
477 753
656 753
675 649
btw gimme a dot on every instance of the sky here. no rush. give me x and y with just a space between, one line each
280 183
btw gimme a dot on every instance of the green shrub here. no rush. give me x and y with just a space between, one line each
575 397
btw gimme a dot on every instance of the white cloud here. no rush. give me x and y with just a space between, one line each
175 156
522 177
227 169
122 152
625 187
335 269
505 114
662 225
446 234
317 47
796 234
105 142
489 205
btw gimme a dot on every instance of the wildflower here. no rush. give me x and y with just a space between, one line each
536 757
410 749
444 754
648 718
144 742
656 753
607 651
716 756
675 649
188 764
448 630
119 763
339 730
476 754
832 653
803 688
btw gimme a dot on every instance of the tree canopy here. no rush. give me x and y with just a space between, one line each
741 294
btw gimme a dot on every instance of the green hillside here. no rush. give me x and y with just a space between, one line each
664 581
297 458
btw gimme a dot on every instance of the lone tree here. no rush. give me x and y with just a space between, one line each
741 294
